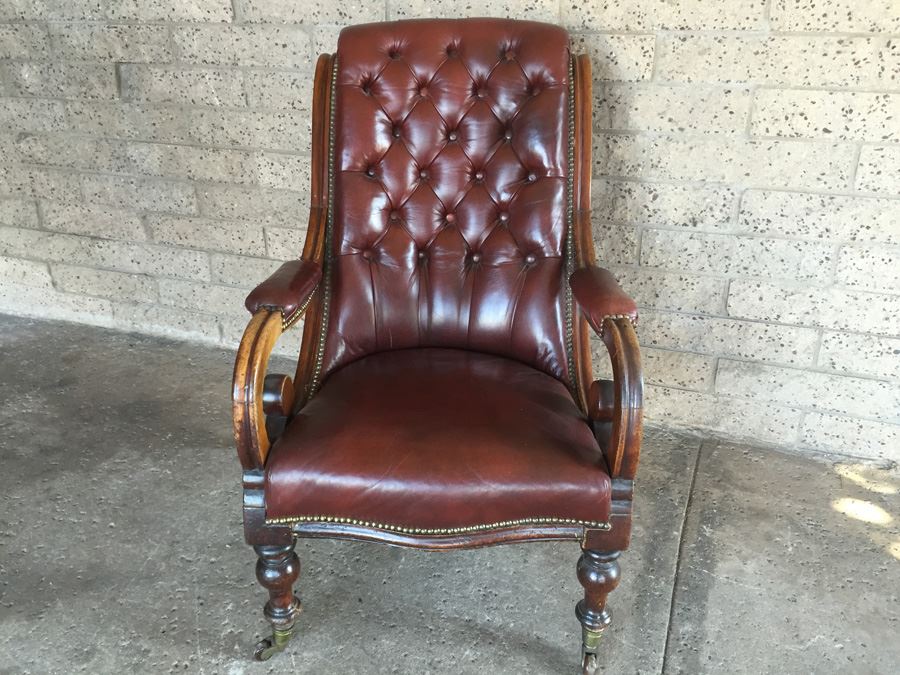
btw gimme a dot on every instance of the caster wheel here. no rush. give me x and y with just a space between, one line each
264 650
589 664
267 648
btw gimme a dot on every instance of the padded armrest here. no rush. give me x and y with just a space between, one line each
600 297
287 289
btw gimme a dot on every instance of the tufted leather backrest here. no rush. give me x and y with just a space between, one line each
450 173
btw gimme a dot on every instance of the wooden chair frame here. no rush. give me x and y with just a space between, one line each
262 405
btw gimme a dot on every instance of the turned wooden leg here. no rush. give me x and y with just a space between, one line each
277 569
598 572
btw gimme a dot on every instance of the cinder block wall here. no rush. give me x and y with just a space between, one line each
747 184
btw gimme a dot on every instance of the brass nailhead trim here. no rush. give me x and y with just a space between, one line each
294 520
288 321
616 316
570 236
329 225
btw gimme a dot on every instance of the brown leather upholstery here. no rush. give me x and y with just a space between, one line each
600 297
288 287
438 438
445 398
450 190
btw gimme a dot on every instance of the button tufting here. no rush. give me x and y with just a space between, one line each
456 110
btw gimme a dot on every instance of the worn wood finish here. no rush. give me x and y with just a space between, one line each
277 570
624 446
278 403
249 420
581 217
278 395
314 247
598 572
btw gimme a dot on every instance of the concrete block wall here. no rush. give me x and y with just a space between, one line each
746 190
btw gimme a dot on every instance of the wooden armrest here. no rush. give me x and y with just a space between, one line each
616 407
255 397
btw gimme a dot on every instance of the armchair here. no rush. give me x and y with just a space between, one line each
443 396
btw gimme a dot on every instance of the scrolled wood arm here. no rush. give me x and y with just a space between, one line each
254 395
615 407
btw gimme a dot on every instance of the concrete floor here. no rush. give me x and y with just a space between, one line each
121 549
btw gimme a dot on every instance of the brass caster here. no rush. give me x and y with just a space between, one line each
265 649
590 643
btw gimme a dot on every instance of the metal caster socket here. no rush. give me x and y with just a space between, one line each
267 648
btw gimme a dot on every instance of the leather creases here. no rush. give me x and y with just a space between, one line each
450 168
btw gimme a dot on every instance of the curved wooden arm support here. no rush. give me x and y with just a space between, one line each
260 404
616 407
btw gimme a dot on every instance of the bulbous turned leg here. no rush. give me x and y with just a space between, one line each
277 569
598 573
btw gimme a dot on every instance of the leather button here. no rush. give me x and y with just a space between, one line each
450 218
452 51
394 54
395 132
476 257
531 177
423 174
481 92
509 55
423 91
452 136
367 254
421 255
508 134
394 216
479 176
504 217
530 258
370 171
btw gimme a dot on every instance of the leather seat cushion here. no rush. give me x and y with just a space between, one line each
438 438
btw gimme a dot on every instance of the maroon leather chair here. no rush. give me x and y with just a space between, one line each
443 396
